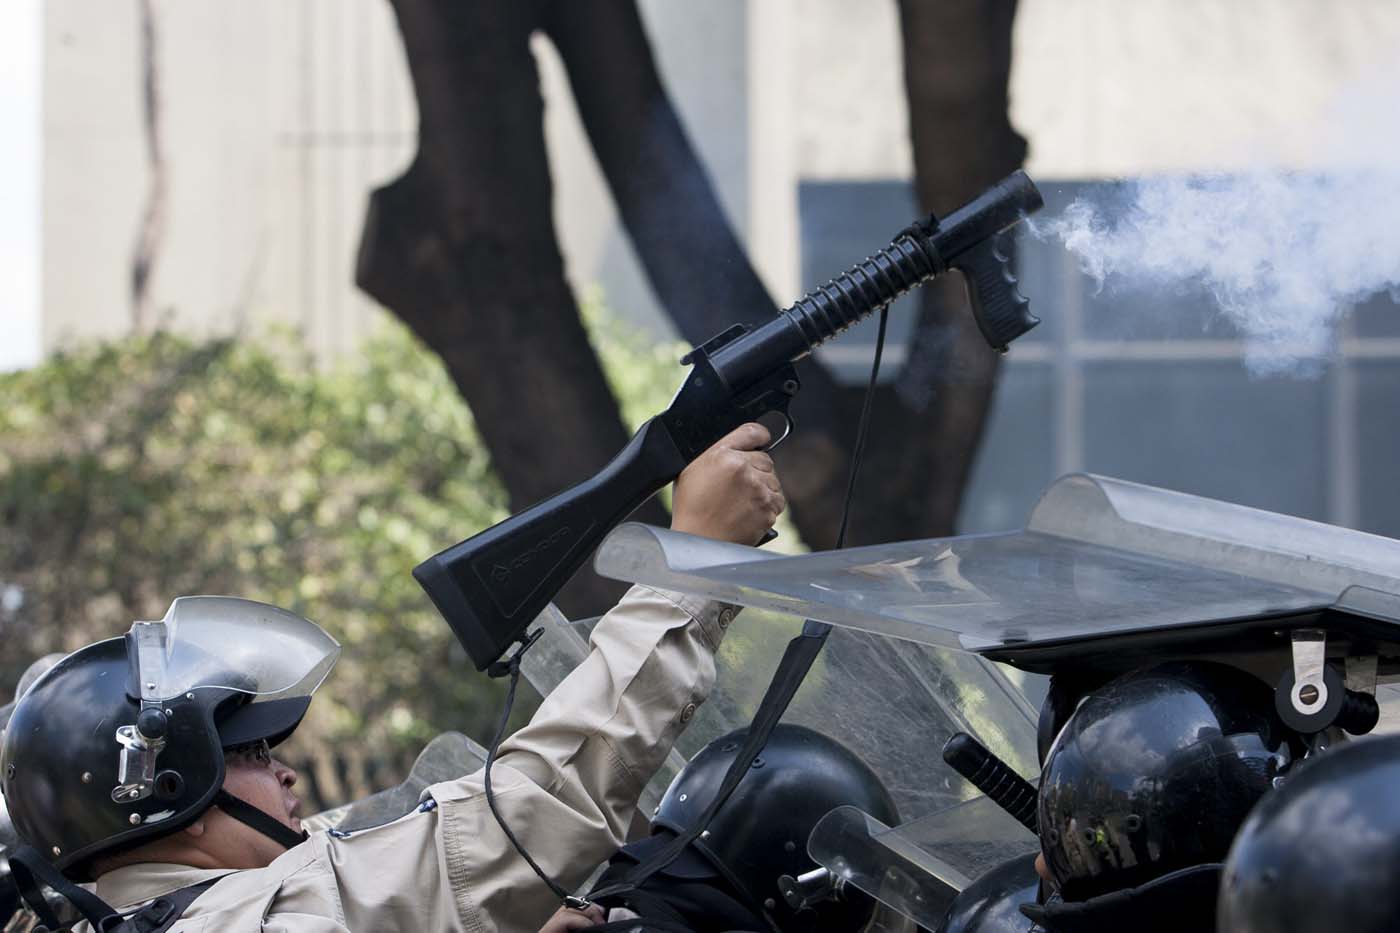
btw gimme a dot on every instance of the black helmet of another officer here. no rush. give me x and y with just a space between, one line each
123 741
1322 853
760 833
1152 775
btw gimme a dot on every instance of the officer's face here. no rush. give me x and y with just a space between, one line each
254 776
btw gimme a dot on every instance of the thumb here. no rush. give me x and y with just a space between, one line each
748 436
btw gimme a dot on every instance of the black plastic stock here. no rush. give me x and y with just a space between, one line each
490 587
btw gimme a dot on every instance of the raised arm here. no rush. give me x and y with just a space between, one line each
598 738
567 783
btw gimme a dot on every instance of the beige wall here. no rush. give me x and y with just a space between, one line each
312 108
1107 88
278 118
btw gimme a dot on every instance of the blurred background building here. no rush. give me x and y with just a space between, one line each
277 118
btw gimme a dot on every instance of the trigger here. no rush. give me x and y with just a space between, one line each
769 421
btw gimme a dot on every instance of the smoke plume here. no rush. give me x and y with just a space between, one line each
1284 253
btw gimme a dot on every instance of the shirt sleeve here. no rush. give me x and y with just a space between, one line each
568 782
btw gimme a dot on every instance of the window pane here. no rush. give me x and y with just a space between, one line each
1378 316
1017 459
1208 428
842 223
1378 442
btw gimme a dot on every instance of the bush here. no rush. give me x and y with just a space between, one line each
135 471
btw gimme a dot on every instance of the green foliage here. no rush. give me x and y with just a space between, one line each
139 470
136 471
643 374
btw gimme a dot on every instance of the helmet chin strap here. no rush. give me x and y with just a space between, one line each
249 815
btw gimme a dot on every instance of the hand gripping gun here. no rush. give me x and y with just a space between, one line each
491 586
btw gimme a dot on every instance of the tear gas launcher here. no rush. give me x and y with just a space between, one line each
492 585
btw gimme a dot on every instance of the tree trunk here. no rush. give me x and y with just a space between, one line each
957 66
151 232
462 248
927 429
686 244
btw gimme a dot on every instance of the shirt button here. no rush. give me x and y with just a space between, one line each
688 712
726 615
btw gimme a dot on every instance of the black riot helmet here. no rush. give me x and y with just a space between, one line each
992 903
760 834
1153 773
1322 853
123 741
9 840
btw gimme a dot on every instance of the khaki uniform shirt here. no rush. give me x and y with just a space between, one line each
567 784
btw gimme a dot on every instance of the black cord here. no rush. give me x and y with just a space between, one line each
863 428
812 628
512 668
798 658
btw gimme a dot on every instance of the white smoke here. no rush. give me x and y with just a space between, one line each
1285 253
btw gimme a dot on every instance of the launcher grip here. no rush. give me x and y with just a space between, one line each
1001 311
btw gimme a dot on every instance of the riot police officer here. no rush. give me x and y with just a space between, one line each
1146 785
1322 853
742 872
1146 780
146 763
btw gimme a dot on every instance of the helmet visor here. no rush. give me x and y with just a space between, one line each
228 643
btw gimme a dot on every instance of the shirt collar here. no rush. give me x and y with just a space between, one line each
144 881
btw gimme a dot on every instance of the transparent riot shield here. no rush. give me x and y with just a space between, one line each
451 755
892 702
917 868
448 756
896 704
1097 557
